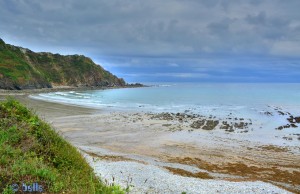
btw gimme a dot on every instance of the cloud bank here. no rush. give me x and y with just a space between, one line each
170 40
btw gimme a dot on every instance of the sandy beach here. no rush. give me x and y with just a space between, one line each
152 153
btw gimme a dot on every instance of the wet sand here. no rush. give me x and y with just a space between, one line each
224 156
171 147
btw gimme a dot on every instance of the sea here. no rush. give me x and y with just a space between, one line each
178 97
266 105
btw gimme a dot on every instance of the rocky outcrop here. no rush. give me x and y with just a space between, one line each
22 68
8 84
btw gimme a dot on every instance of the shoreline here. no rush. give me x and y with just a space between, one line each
139 141
62 89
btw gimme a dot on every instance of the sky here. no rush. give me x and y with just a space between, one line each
165 40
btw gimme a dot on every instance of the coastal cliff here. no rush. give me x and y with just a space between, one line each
21 68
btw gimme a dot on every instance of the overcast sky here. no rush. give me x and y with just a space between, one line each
165 40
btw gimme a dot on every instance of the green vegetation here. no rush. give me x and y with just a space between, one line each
13 66
30 151
23 69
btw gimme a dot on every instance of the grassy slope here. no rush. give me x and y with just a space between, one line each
69 69
23 68
14 66
30 151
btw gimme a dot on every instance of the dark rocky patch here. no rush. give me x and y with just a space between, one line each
293 125
210 124
240 125
287 138
279 128
197 124
202 122
230 127
268 113
135 85
245 131
230 130
293 119
284 127
297 119
292 122
225 125
163 116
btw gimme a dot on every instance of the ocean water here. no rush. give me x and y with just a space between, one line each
197 98
256 103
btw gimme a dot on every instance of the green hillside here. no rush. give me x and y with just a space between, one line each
24 69
31 152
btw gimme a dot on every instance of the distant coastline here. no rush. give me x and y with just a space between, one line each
65 89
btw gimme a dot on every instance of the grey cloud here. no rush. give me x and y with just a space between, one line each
187 28
259 19
220 28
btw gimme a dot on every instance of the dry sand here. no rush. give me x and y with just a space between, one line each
160 156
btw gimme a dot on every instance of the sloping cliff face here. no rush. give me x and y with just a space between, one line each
24 69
